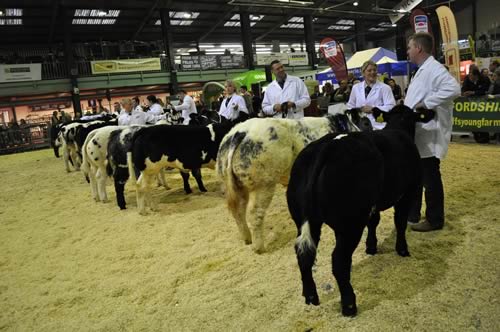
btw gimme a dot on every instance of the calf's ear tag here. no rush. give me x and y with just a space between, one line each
380 118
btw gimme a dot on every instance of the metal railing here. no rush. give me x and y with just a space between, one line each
29 137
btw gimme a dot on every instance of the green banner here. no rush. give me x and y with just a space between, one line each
476 114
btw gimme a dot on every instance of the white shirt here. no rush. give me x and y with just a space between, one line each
141 118
229 111
155 109
187 107
124 118
434 86
294 90
380 96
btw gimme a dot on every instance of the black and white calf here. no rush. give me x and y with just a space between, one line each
258 154
344 180
182 147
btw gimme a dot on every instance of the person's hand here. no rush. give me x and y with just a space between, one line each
468 93
277 108
291 104
367 109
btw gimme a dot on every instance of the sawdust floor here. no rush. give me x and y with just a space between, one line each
68 263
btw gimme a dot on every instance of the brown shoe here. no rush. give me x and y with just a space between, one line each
425 226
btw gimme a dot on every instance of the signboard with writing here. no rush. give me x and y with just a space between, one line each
125 66
231 61
298 59
266 59
476 114
54 106
192 62
21 72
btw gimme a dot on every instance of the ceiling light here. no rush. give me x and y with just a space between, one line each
102 12
394 25
187 15
1 12
355 3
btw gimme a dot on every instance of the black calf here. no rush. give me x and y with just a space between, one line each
345 180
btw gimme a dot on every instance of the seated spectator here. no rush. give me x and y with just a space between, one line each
485 73
316 92
494 65
341 95
474 84
396 89
494 90
327 90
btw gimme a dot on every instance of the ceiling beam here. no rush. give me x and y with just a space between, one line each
223 19
146 19
55 12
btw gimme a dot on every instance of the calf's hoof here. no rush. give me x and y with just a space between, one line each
258 249
188 191
371 250
312 299
123 207
349 310
403 252
247 241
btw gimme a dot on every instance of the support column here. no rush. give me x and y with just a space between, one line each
309 38
168 43
360 35
474 19
246 38
70 63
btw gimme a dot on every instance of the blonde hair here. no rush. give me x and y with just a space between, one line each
126 101
231 83
366 64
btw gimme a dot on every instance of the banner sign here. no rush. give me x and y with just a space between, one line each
266 59
404 6
125 65
450 40
420 23
298 59
231 61
198 62
333 53
476 114
21 72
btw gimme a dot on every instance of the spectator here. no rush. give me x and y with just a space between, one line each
247 96
327 90
116 108
494 65
65 118
474 84
494 90
396 89
341 95
56 119
351 80
485 73
316 92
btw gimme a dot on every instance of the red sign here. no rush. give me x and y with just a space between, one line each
333 53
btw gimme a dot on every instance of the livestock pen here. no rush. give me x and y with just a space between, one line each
68 263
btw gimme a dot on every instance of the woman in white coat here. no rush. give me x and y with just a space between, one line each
371 93
233 103
154 107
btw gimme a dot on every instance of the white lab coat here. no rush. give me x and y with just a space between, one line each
229 111
187 107
141 118
124 118
155 109
294 90
434 86
380 96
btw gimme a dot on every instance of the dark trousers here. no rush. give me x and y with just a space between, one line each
434 195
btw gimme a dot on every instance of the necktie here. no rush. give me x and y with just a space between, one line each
228 100
281 83
367 90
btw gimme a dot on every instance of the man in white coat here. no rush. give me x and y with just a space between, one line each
187 107
285 89
434 88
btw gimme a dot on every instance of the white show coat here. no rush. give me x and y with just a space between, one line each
229 111
187 107
380 96
141 118
155 109
434 86
294 90
124 118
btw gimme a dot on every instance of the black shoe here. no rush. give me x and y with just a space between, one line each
425 227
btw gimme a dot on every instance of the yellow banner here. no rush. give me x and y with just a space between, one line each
125 66
449 34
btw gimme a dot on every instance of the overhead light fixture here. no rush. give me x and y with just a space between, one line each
355 3
2 12
102 12
394 25
187 15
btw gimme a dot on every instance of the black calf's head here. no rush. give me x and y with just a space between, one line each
402 117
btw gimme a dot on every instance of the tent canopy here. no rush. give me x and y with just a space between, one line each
373 54
250 77
386 59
